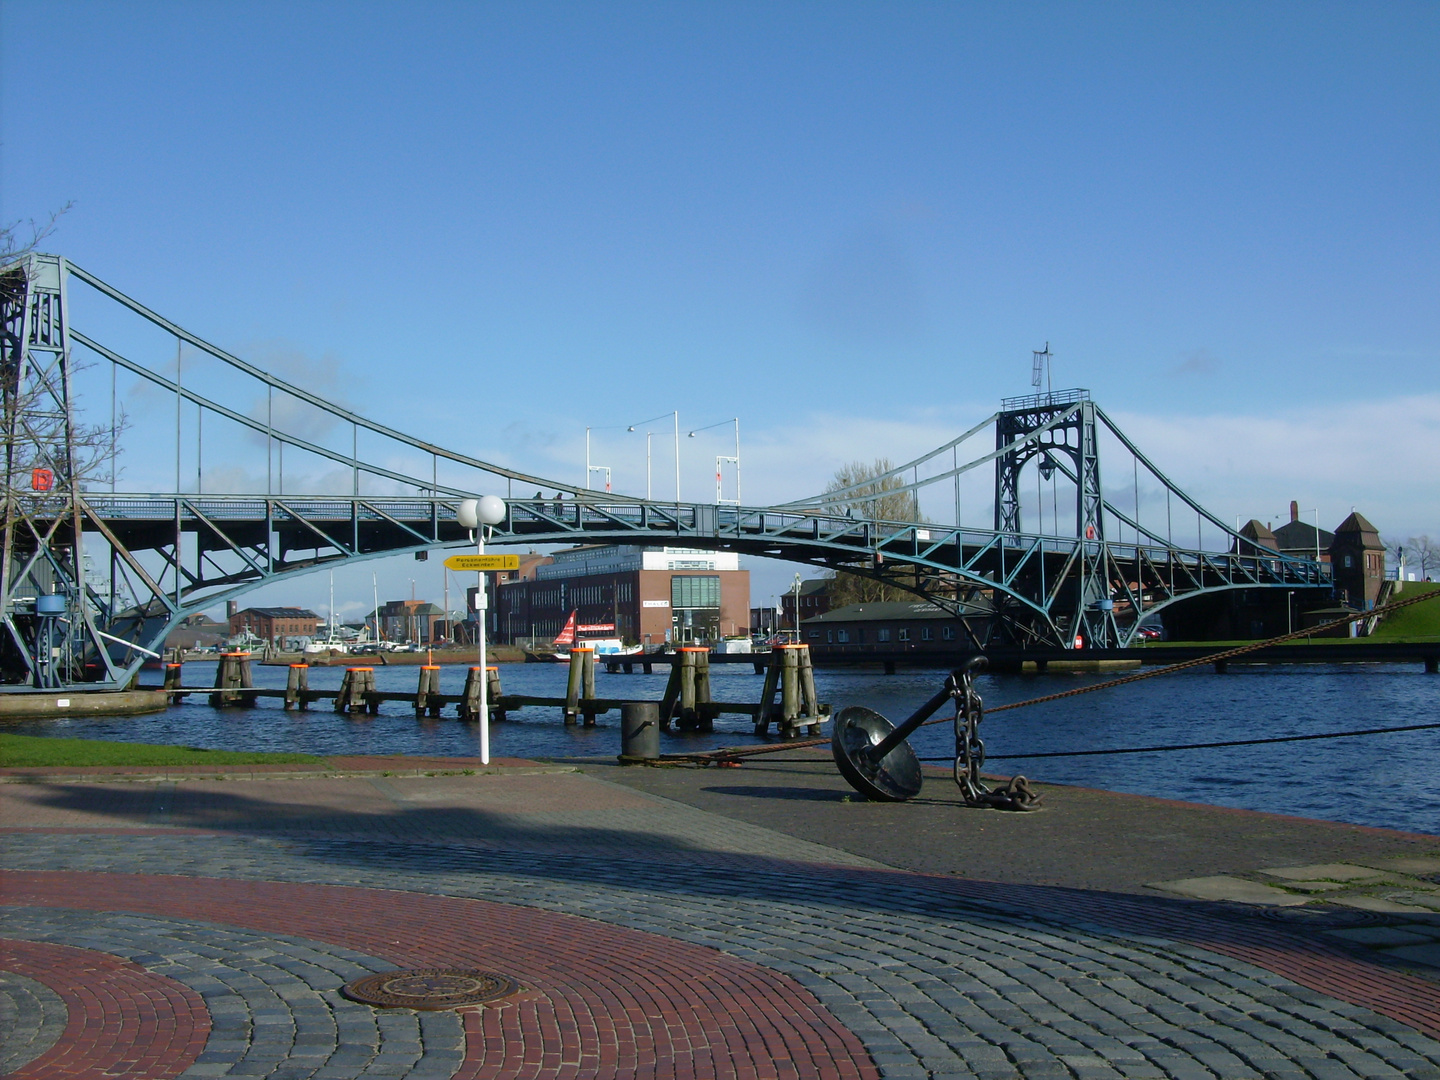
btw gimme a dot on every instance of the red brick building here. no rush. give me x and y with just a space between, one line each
648 595
275 624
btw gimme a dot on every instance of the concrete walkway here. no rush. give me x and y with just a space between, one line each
688 923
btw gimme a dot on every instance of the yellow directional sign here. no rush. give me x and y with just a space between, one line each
483 562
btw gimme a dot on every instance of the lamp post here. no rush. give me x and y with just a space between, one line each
478 515
719 458
795 589
674 414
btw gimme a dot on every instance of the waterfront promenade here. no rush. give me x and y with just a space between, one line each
752 922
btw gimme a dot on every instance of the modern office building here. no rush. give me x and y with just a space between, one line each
645 595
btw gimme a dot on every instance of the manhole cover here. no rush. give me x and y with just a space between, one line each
429 988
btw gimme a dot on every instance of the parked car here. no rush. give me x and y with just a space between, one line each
1150 633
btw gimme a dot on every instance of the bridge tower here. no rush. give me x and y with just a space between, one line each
1060 425
47 635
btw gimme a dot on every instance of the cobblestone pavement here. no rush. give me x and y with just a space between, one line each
658 941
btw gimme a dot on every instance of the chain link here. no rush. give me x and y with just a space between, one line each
1016 793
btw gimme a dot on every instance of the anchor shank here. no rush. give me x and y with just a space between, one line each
918 717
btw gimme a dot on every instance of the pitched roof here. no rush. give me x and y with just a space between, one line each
1299 536
280 612
1356 523
888 611
1259 535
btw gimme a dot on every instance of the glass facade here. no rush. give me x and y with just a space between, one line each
695 591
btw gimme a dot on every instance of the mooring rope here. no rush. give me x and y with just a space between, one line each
1198 745
731 753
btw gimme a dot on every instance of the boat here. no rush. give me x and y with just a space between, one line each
571 635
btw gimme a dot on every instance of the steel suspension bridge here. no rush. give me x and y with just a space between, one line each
96 573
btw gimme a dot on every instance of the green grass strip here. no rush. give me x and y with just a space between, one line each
27 751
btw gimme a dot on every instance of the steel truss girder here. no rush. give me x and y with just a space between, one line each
1028 575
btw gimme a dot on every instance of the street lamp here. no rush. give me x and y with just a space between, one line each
594 468
675 415
719 458
477 515
795 588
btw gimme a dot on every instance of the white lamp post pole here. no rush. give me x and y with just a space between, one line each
478 514
482 605
737 461
675 415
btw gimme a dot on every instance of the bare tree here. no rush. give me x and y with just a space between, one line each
13 242
870 494
1419 552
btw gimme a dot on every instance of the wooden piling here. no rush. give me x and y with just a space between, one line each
174 680
232 677
809 703
355 684
492 683
296 686
789 687
670 698
576 687
470 697
792 674
763 714
587 681
427 692
695 690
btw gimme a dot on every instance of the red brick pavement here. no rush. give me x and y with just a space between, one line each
124 1020
1302 958
602 1000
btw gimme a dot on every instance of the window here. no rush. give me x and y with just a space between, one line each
948 633
1349 562
695 591
829 637
926 634
843 636
814 635
882 634
904 634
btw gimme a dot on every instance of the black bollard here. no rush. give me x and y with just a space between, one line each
639 732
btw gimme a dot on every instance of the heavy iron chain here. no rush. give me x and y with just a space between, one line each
1016 793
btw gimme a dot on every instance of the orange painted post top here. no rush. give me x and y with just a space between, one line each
429 667
581 649
172 665
299 665
492 667
235 654
693 648
360 669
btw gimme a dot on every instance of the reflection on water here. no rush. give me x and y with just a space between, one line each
1386 780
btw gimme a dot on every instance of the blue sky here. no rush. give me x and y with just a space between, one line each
846 224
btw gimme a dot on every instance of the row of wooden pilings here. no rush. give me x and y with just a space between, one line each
235 688
787 698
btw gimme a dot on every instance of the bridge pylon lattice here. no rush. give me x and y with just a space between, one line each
96 574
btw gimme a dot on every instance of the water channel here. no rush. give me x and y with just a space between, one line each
1389 780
